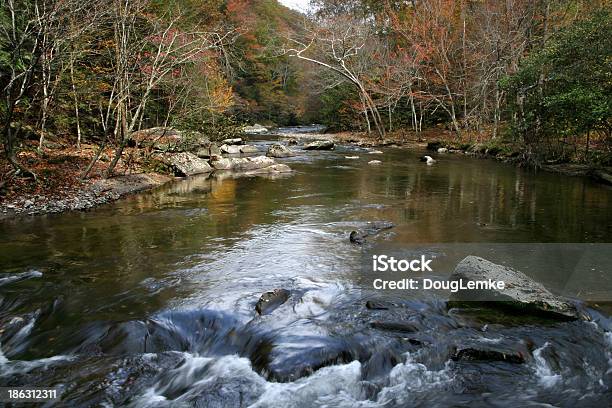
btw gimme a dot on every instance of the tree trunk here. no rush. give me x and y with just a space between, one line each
93 161
9 148
124 139
76 104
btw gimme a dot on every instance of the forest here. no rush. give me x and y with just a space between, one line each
87 75
357 203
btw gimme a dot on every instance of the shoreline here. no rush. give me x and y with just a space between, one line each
89 194
602 175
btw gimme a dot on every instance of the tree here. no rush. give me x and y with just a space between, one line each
21 51
565 88
343 46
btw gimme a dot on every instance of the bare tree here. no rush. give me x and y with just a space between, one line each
143 59
341 45
23 45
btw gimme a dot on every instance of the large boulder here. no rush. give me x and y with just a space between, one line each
320 145
186 164
243 164
256 128
246 149
279 151
520 293
209 152
230 149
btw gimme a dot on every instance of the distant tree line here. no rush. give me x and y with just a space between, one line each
534 71
98 70
539 69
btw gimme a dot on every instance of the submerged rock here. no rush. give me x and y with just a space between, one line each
320 145
372 228
521 293
375 305
186 164
488 355
428 159
275 168
269 301
395 326
279 151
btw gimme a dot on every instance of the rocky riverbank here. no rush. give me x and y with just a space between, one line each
442 143
82 196
154 157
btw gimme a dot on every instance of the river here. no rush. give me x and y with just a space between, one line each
149 301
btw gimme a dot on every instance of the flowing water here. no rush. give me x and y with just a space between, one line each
149 301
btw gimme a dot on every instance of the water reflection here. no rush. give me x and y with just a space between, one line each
218 242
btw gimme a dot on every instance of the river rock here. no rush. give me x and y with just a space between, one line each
243 164
488 355
371 228
395 326
320 145
209 152
374 162
256 128
233 141
376 305
230 149
292 142
273 169
520 293
246 149
186 164
443 150
279 151
269 301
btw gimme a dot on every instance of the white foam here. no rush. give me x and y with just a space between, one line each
335 386
410 377
608 337
3 359
228 372
547 378
10 367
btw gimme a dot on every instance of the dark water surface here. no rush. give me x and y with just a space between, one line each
150 301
